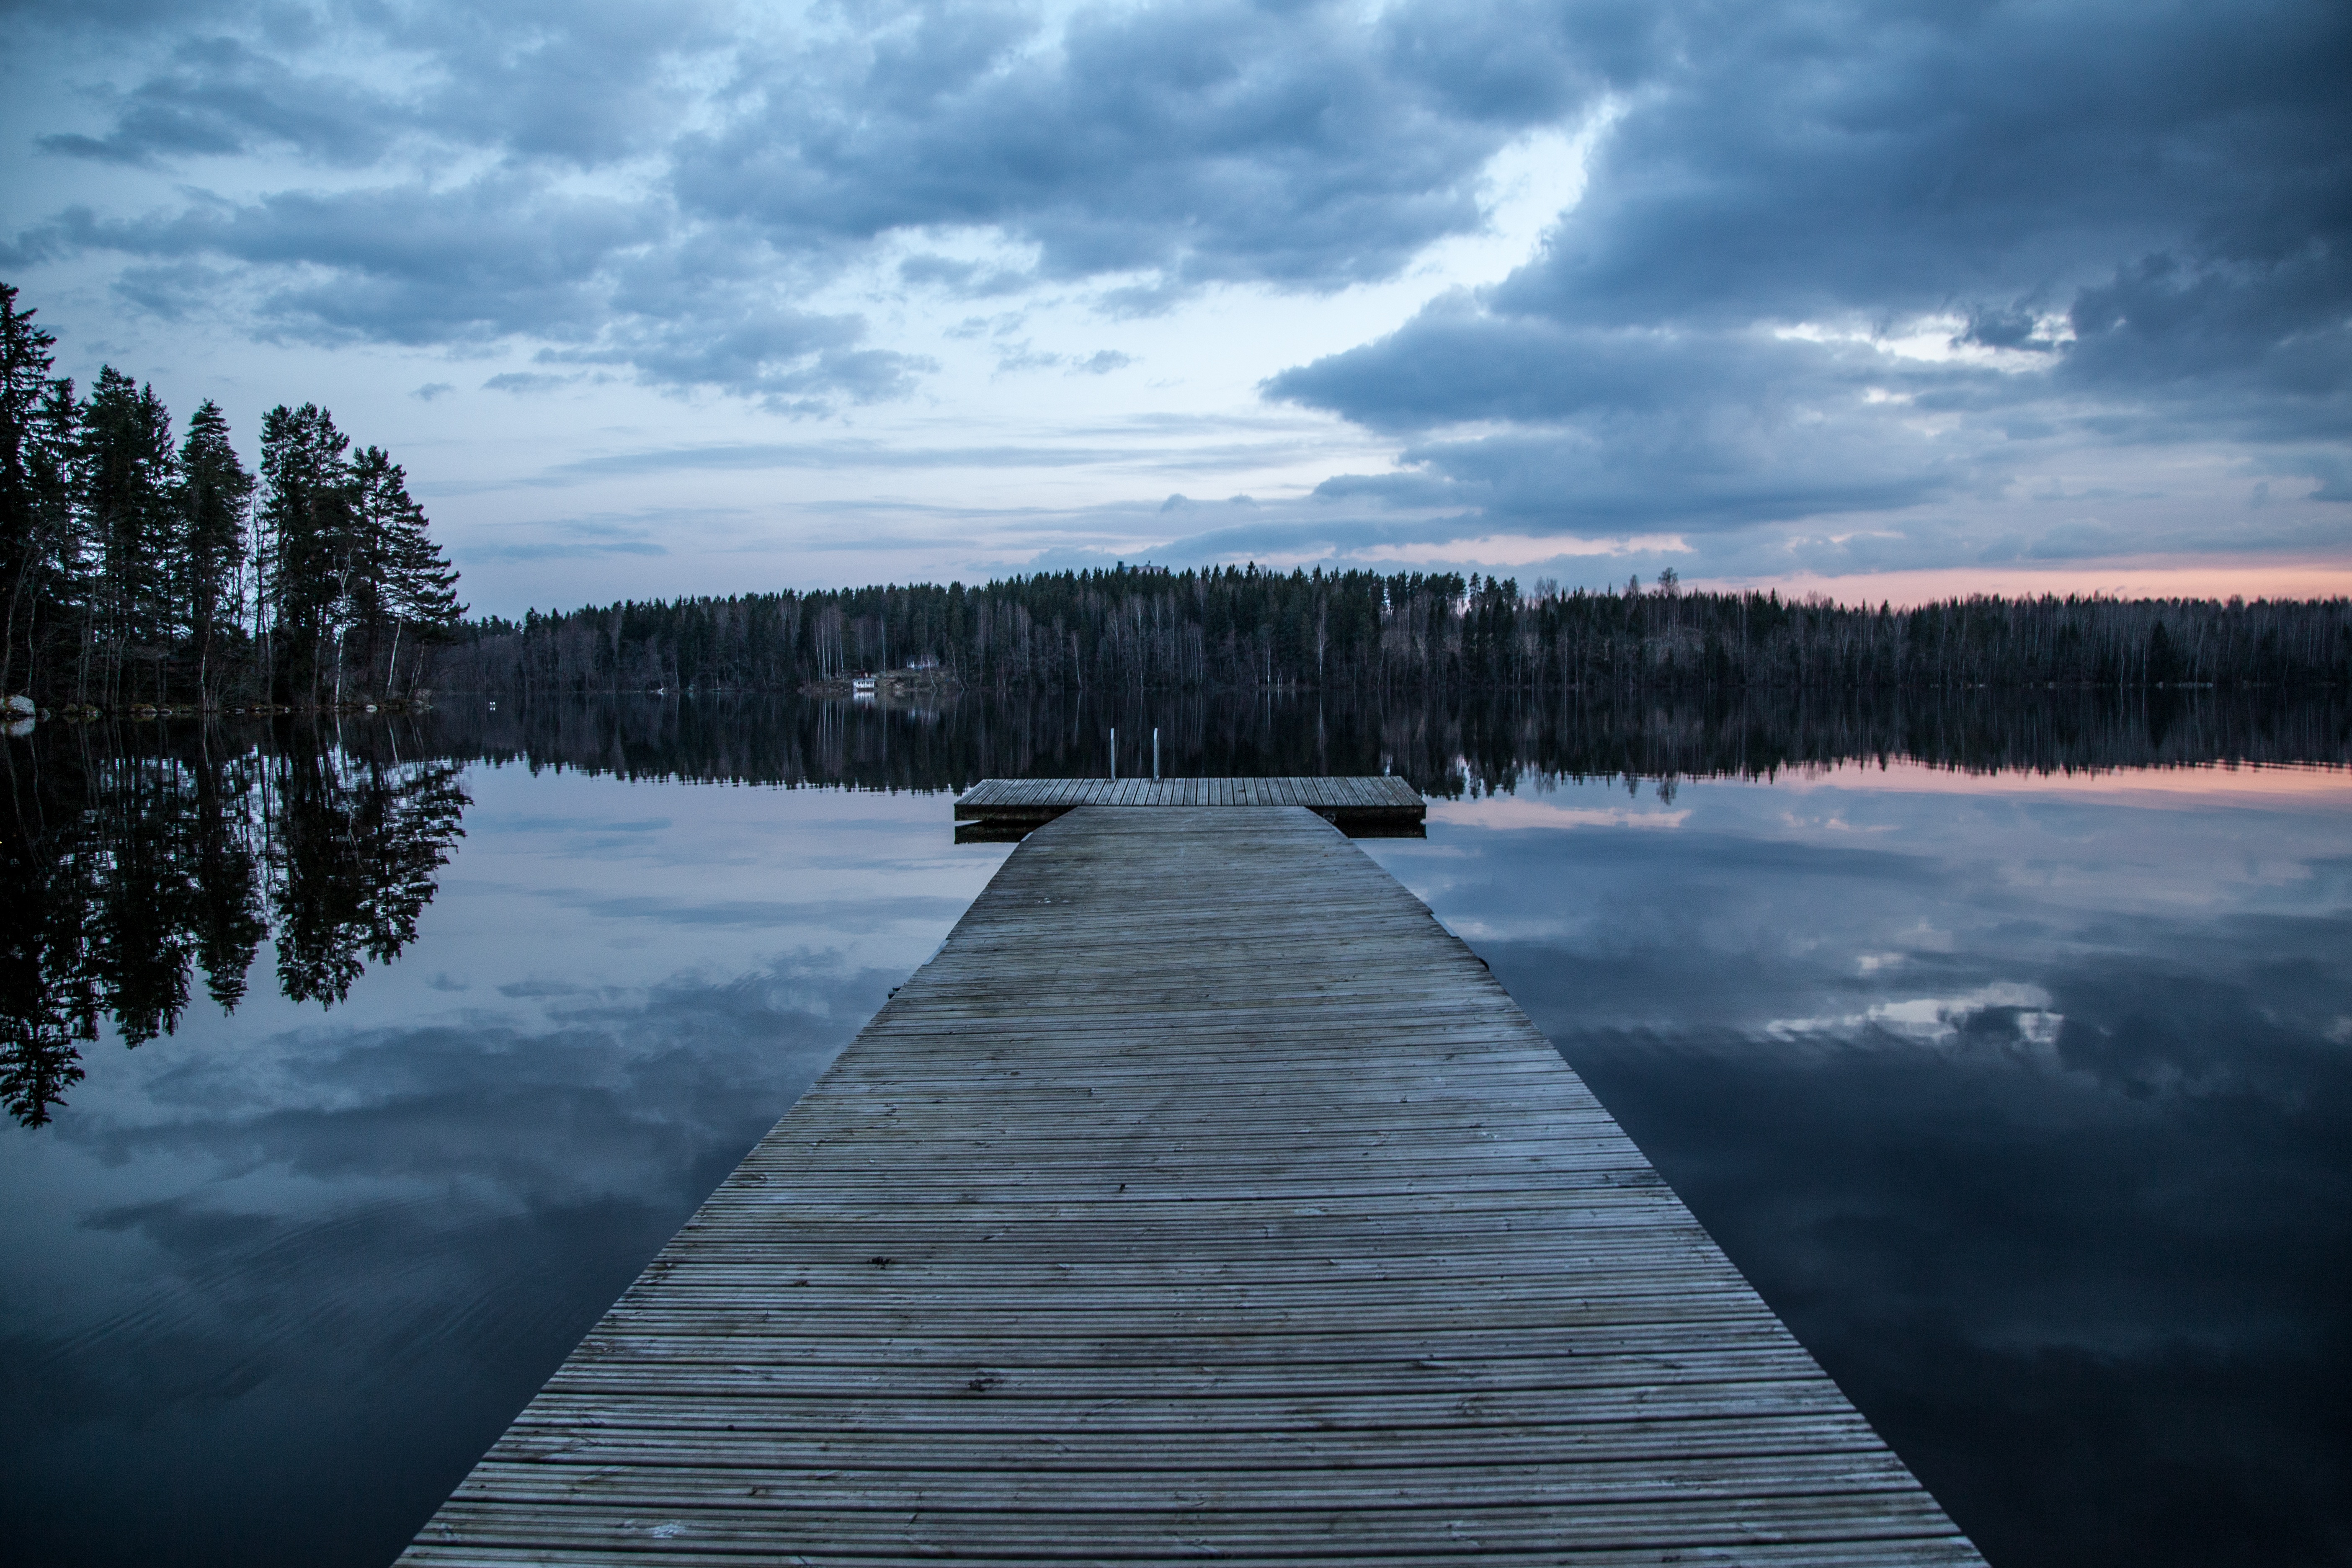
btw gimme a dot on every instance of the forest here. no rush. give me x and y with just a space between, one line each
144 568
1143 628
141 567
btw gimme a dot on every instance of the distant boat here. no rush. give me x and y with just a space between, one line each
862 685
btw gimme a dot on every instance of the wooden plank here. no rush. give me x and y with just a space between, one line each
1201 1198
1383 806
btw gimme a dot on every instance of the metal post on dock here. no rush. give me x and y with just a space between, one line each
1113 754
1155 753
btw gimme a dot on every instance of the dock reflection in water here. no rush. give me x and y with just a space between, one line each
2018 1094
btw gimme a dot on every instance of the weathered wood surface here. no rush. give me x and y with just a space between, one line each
1202 1200
1361 807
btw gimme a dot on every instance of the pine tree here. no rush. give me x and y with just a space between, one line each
62 579
117 547
126 481
417 587
26 516
216 494
379 495
306 528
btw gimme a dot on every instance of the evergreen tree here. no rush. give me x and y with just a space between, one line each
307 539
216 494
124 559
25 515
61 578
411 583
126 483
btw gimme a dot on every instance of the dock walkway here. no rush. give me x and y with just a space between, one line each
1001 809
1202 1200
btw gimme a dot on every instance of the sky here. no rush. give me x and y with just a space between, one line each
690 296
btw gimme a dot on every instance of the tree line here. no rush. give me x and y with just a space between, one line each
1138 628
143 566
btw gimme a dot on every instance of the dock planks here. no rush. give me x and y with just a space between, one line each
1202 1200
1008 809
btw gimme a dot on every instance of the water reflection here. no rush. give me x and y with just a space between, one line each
148 854
137 861
277 1282
2019 1093
1447 745
2022 1104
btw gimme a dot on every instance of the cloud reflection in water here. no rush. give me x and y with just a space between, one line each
293 1272
2019 1095
2024 1106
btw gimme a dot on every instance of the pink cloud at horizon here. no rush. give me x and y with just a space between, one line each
2154 580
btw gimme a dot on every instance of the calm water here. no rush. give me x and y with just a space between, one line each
2022 1097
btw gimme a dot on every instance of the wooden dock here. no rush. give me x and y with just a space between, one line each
1202 1200
1006 809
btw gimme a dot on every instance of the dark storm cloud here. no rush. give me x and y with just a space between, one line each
1799 163
1167 146
1216 143
2153 210
1613 429
410 263
217 97
596 273
2140 215
94 16
582 81
794 361
2264 340
594 279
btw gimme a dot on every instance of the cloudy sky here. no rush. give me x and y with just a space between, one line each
683 296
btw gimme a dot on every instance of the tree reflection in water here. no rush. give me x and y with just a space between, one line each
137 858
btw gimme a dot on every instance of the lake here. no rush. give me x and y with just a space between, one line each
2005 1045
